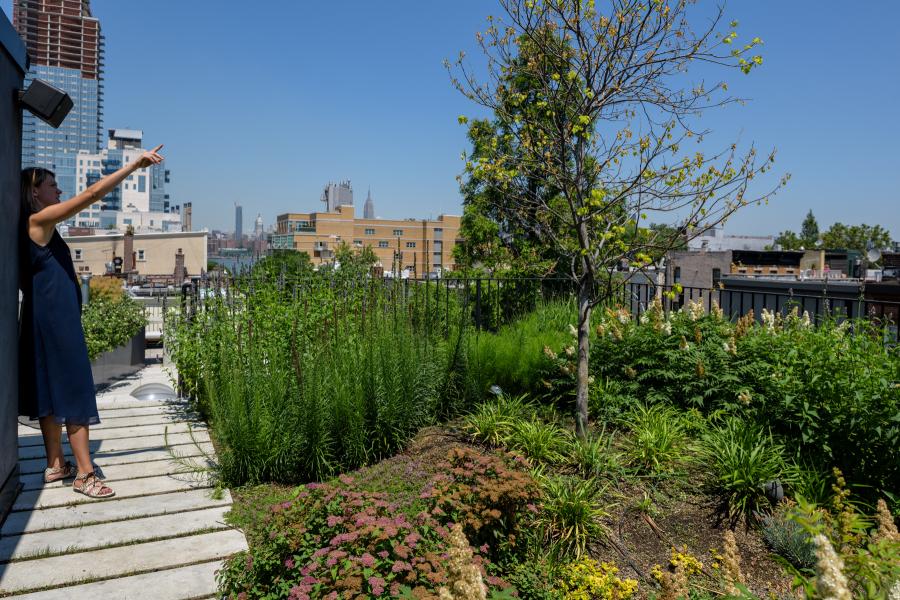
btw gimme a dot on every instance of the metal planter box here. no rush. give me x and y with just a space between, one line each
119 362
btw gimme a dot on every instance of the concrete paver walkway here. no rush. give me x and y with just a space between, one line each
162 536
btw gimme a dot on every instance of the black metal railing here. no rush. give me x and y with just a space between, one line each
487 303
736 303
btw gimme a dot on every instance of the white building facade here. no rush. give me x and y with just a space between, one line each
714 239
139 202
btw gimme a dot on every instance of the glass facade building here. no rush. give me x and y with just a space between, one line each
65 46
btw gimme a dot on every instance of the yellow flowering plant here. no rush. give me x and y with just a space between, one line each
587 579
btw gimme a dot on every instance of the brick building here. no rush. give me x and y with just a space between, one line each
413 245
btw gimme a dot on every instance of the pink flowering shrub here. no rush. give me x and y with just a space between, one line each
485 495
334 541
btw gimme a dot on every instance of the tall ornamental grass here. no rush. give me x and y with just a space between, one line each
513 358
299 387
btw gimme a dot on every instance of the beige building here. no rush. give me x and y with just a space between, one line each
419 246
153 253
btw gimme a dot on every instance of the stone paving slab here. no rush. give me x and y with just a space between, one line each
63 495
143 410
90 537
121 432
194 581
111 562
37 465
124 401
107 423
162 536
110 510
113 473
122 445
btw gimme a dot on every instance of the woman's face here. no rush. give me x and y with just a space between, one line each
47 193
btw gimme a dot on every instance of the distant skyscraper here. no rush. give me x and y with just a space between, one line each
238 223
66 49
337 194
187 216
258 232
369 207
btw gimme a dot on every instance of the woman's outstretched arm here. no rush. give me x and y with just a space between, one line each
47 218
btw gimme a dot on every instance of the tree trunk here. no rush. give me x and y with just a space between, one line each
584 332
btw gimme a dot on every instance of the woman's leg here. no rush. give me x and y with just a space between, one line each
81 447
52 432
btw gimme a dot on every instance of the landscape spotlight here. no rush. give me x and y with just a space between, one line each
46 102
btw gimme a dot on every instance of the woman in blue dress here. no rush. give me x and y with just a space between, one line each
56 385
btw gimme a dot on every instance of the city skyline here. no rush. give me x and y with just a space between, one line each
266 126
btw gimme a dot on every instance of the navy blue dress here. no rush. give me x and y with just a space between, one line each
54 371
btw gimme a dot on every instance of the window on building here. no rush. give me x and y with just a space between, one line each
357 242
716 277
742 270
398 232
370 232
789 271
677 276
142 183
382 244
77 254
773 271
141 254
438 230
757 271
410 244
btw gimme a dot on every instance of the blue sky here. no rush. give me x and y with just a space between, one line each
263 103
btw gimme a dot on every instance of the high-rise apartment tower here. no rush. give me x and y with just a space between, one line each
66 47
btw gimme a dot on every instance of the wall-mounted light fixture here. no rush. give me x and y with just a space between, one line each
46 102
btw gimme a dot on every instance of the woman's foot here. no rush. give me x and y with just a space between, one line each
54 474
91 486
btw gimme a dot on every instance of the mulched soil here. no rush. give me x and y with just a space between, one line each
688 518
639 541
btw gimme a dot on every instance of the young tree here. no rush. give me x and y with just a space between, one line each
809 231
593 118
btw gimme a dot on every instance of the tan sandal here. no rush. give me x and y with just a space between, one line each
54 474
92 486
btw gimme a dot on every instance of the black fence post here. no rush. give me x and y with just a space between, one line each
478 304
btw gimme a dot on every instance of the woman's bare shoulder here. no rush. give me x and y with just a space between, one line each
38 233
